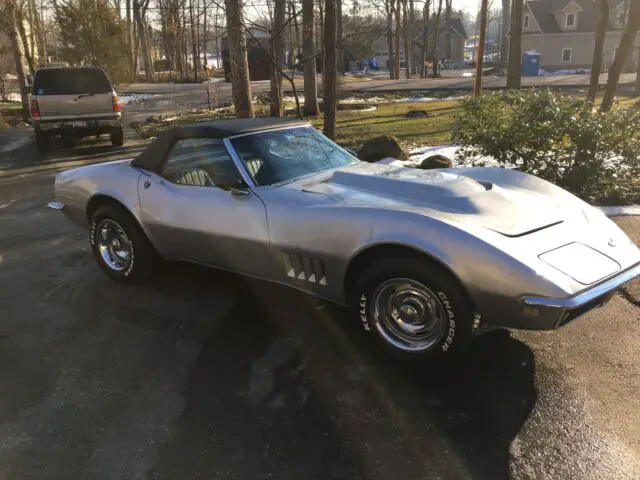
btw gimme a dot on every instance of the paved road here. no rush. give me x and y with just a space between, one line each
206 375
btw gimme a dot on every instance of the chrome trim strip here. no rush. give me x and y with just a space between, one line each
56 205
238 162
588 295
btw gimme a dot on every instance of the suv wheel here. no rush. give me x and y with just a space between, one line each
117 137
43 141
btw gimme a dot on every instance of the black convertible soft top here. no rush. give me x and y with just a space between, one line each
152 157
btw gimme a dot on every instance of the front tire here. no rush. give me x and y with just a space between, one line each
119 245
413 308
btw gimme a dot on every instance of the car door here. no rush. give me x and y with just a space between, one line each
188 217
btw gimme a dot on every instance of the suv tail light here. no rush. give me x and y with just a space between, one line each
35 109
116 103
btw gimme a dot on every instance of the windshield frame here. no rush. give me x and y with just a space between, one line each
247 175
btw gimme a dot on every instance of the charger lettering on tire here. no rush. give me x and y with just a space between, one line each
452 323
363 313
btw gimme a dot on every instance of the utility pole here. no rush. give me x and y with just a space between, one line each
477 86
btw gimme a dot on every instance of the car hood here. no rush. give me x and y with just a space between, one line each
509 211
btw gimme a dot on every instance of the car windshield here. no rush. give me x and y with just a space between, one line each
282 155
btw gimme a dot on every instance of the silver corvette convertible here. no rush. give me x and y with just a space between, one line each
425 258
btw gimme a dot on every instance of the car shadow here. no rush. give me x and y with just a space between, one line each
286 386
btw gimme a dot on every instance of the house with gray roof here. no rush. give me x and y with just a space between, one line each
563 32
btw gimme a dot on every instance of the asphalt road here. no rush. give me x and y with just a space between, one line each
176 97
202 374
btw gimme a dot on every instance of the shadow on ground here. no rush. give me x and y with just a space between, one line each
286 387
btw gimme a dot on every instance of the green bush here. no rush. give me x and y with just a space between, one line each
557 137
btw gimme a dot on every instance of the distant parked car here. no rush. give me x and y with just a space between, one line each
425 259
76 102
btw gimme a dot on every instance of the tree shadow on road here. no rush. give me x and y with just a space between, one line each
287 387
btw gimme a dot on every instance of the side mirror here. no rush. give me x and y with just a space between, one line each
230 184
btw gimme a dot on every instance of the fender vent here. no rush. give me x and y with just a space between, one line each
307 269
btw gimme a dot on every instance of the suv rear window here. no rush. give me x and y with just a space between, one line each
74 81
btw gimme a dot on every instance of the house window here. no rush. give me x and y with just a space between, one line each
620 18
570 20
566 55
526 21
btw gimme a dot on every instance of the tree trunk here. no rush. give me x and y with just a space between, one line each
330 67
308 51
391 61
504 32
407 40
321 32
601 32
425 38
296 29
448 9
277 56
205 36
25 41
637 90
340 52
144 42
515 46
129 35
626 46
240 83
194 45
396 58
17 56
436 42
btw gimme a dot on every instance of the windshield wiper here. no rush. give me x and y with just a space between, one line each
85 95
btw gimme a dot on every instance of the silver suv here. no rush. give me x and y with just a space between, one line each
75 102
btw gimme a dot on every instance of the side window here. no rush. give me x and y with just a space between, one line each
197 161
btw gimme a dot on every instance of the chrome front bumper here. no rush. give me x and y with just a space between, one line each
571 308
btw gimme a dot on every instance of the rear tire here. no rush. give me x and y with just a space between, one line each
43 142
412 308
117 137
119 245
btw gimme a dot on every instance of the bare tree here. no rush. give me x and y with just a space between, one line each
436 42
277 56
388 8
407 39
601 32
330 68
624 49
504 32
396 59
12 27
308 51
139 11
448 10
425 37
340 40
23 37
637 89
240 84
515 45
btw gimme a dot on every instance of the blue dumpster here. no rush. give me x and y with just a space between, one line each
530 66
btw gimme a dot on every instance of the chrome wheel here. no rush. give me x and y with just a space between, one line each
408 315
114 245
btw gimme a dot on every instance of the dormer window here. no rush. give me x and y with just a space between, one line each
526 21
620 18
570 20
